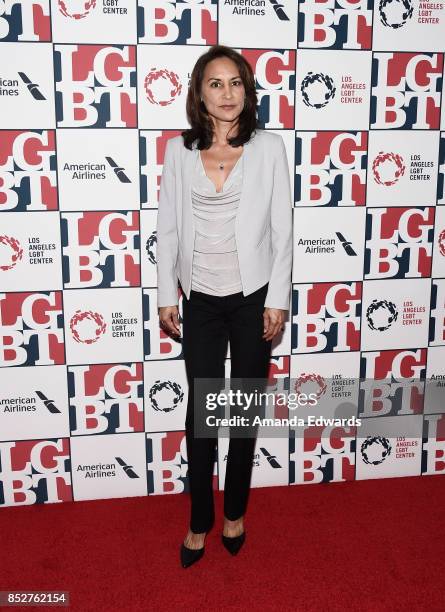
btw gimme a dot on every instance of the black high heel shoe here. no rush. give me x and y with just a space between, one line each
190 555
233 545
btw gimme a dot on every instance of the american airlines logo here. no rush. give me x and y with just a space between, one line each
33 88
279 11
317 246
49 404
272 459
346 244
118 170
128 469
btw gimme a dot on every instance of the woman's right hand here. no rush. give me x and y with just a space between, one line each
169 320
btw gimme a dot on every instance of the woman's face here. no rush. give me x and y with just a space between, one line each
222 89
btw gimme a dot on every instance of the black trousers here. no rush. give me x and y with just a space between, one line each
209 322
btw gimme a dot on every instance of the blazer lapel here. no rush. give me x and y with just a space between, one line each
246 179
190 159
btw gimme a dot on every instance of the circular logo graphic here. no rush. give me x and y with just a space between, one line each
305 379
441 242
375 450
317 89
170 392
395 13
87 326
14 252
76 9
150 247
162 87
381 314
387 168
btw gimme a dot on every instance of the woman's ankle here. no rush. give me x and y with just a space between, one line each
233 528
194 540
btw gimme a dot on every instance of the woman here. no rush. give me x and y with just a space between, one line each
224 229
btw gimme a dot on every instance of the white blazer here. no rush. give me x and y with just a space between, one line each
263 224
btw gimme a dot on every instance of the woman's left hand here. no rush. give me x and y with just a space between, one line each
273 322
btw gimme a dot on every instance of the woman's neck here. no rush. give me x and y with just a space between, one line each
222 129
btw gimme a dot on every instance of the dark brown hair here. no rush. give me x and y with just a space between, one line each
201 125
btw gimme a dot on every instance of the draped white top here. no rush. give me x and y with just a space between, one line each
215 267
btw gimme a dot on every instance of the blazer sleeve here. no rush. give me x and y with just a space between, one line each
167 234
278 294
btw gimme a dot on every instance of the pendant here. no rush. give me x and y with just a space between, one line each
221 166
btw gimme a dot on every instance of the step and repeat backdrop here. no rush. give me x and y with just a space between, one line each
92 392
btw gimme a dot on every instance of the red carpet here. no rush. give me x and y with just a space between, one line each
362 546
